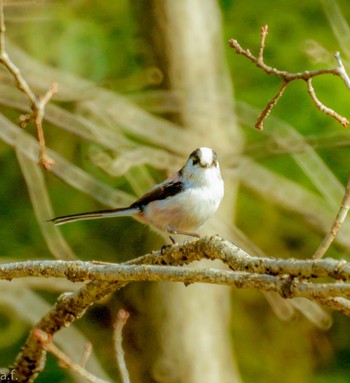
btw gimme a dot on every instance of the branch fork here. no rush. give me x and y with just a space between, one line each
288 77
37 103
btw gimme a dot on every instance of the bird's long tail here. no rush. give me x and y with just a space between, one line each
123 212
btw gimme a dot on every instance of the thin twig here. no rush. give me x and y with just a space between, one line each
339 220
122 317
46 342
86 354
287 77
330 112
342 72
2 29
264 32
260 122
37 103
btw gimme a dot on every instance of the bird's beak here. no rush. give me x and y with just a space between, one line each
207 165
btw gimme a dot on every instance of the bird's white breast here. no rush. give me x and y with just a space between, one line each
189 209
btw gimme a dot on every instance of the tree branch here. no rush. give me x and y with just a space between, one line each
288 278
37 103
339 220
46 343
208 247
122 318
287 77
286 285
342 120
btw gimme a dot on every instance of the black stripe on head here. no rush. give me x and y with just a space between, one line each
204 157
161 192
195 156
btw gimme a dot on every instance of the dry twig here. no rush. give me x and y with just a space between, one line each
86 354
45 340
339 220
122 317
212 248
37 103
287 77
265 274
288 285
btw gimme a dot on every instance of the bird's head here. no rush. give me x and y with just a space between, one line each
201 163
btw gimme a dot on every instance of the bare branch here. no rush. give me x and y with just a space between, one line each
339 220
342 120
37 103
287 77
86 354
264 32
213 248
342 72
260 123
339 304
122 317
188 275
68 308
46 342
265 274
285 285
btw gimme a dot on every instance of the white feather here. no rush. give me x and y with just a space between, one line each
184 208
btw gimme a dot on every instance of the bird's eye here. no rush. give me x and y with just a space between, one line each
195 160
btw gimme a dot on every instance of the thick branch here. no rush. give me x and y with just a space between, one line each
265 274
285 285
235 258
207 247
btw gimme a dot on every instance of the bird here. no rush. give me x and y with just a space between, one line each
179 205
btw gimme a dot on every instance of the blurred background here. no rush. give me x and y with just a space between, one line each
141 85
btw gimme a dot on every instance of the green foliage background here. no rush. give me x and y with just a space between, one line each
105 42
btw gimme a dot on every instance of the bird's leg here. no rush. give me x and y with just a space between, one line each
176 231
164 248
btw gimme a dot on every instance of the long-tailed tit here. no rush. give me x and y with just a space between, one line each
180 204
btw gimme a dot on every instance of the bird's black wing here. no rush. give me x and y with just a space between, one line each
162 191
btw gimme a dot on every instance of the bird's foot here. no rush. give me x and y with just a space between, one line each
164 248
